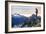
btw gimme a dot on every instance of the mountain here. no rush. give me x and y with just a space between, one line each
18 20
33 21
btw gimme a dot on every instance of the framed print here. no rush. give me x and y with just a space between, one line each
23 16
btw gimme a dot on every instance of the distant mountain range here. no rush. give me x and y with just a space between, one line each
20 19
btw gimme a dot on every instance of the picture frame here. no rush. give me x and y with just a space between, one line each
19 8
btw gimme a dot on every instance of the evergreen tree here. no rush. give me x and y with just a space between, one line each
36 12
